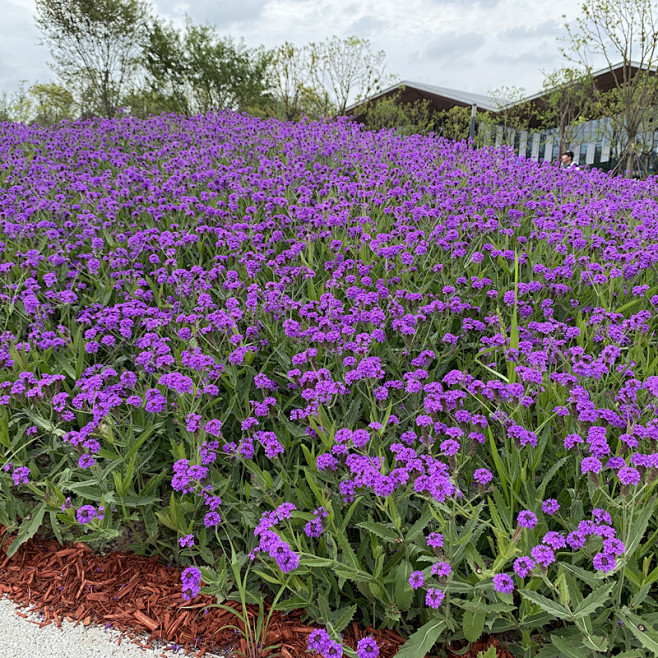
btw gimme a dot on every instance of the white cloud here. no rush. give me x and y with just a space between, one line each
21 58
474 45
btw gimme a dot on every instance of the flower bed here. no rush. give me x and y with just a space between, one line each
385 380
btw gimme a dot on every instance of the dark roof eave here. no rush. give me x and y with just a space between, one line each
455 97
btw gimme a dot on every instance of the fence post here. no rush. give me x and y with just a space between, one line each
471 131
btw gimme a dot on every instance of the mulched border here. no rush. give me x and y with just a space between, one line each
141 596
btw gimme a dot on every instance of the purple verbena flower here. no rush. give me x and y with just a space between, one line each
416 579
503 583
523 566
367 648
550 506
435 540
434 597
526 519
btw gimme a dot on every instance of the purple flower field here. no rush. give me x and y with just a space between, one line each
391 380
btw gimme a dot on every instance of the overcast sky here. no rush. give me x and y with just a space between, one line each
470 45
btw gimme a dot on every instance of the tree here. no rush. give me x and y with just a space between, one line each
321 79
164 62
512 112
290 80
95 46
565 103
624 34
52 103
288 75
344 71
16 106
455 122
197 71
41 103
391 112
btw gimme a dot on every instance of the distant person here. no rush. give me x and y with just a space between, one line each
566 161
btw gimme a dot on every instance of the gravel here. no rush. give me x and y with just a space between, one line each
22 638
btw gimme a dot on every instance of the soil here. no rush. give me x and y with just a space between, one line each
139 595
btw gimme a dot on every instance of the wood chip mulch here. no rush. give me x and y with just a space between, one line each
139 595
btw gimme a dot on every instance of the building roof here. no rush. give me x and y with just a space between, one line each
443 98
605 78
440 98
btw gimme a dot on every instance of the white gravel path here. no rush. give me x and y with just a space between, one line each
22 638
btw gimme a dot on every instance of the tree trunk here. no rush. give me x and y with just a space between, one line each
562 131
630 159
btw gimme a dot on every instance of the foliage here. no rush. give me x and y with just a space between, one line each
392 112
52 103
320 79
197 71
94 45
344 70
455 123
390 379
42 103
254 631
512 113
17 106
566 103
294 94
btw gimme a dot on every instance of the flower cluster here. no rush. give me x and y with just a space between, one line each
314 528
320 642
87 513
191 580
269 542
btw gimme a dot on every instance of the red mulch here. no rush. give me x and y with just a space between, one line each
139 595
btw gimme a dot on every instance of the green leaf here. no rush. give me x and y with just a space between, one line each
350 512
268 577
380 530
596 642
422 640
143 436
86 490
315 561
593 602
587 577
43 423
632 303
4 434
550 474
341 618
325 610
489 653
102 535
550 607
54 524
28 528
352 574
403 595
135 501
473 624
165 519
538 620
568 648
419 526
642 631
639 527
501 468
292 604
484 606
496 517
